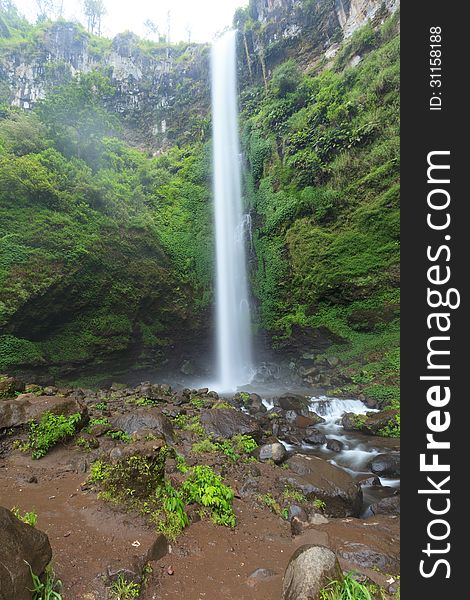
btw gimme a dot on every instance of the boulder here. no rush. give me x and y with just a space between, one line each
20 545
334 445
150 419
255 404
9 386
315 438
274 451
386 506
310 568
386 465
371 423
308 421
224 423
294 402
317 478
29 407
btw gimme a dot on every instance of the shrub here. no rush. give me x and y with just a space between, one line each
51 430
31 518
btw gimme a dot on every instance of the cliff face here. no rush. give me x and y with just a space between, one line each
151 83
162 93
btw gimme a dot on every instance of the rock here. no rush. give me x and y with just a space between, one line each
334 445
9 386
29 407
315 438
319 479
249 487
223 423
159 549
366 557
147 449
386 465
274 451
386 506
308 421
20 544
370 482
294 402
299 520
371 423
255 404
150 419
259 574
50 390
310 568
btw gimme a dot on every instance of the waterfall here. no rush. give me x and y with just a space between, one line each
232 300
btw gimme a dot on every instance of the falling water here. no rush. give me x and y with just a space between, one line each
233 307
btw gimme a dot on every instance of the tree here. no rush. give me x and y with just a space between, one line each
94 10
46 8
152 28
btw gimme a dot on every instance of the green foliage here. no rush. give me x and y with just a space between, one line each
345 589
320 504
31 518
99 471
270 502
101 405
121 436
204 446
204 487
188 423
291 493
244 444
122 589
48 589
51 430
198 402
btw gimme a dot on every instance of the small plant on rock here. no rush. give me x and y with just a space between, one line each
51 430
347 589
121 436
31 518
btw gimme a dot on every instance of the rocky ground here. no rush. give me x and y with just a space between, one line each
100 534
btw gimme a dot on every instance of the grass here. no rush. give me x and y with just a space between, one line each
347 589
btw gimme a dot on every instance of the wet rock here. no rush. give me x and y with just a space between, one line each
223 423
386 506
158 549
386 465
9 386
255 404
129 569
370 482
371 423
317 478
150 419
310 568
274 451
213 395
308 421
298 518
367 557
29 407
20 546
294 402
334 445
315 438
147 449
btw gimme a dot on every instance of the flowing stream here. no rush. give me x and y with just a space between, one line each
234 347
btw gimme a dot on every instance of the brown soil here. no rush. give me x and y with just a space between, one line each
207 562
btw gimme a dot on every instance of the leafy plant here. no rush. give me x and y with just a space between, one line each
122 589
101 405
291 493
47 589
31 518
204 487
51 430
198 402
320 504
121 436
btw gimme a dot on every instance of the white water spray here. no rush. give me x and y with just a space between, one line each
233 307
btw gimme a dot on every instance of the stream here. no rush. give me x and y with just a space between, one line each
358 450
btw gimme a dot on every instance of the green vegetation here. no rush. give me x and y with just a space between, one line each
233 449
121 589
139 483
347 589
291 493
323 149
48 588
51 430
121 436
31 518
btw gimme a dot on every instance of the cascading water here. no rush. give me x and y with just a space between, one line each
233 307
